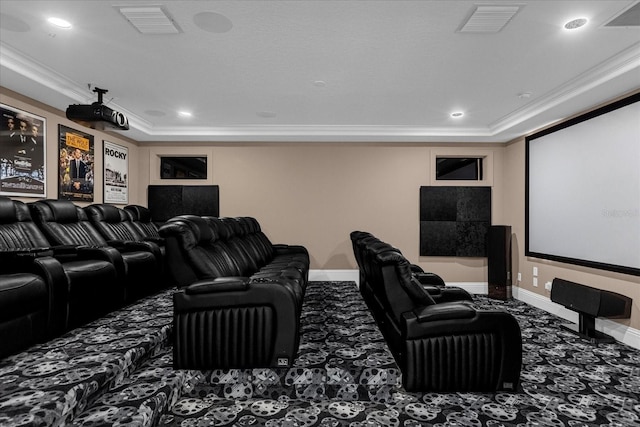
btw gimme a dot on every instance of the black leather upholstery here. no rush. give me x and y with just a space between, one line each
445 346
116 227
64 223
143 222
363 242
83 283
24 311
240 293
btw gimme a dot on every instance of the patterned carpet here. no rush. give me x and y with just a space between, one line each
566 381
117 372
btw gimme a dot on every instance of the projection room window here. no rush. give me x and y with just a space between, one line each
173 167
459 168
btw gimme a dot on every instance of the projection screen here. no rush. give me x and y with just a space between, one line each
583 190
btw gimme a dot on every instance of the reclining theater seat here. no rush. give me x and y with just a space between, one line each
366 246
115 226
24 309
142 221
64 223
449 346
245 313
83 283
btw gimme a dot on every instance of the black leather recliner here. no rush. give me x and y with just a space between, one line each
365 245
142 221
24 308
64 223
450 346
116 227
84 283
239 300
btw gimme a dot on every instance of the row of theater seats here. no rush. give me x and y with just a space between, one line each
240 296
440 339
62 266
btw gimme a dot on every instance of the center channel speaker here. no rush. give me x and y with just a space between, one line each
499 261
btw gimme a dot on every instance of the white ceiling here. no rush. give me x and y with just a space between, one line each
323 70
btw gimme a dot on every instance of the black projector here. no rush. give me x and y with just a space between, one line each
97 116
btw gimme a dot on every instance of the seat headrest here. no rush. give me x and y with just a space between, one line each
62 210
108 213
7 211
139 213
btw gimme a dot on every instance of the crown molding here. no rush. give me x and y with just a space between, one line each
624 62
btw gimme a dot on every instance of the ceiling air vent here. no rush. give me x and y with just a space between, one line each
627 18
489 18
150 20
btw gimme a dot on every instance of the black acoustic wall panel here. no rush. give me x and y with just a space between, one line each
167 201
454 221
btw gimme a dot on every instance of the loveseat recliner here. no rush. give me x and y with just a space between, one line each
239 298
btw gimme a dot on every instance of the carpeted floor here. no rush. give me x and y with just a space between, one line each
345 378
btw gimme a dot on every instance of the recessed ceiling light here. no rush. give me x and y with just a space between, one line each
59 22
184 114
574 24
213 22
457 114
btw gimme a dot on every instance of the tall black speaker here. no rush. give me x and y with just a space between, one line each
499 261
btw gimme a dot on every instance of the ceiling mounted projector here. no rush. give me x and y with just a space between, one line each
97 115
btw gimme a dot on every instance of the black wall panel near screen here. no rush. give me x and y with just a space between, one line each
454 221
167 201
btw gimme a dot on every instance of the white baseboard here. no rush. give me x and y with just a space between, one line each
471 287
622 333
335 276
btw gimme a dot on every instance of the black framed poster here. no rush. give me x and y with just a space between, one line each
22 153
76 165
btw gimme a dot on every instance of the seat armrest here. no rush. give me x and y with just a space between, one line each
415 268
156 240
433 290
444 312
66 250
429 279
219 284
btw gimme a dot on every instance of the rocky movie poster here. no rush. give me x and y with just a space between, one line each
76 165
115 173
22 153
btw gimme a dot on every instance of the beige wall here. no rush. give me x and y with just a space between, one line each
316 194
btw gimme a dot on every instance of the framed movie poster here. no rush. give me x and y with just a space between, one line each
116 173
76 165
22 153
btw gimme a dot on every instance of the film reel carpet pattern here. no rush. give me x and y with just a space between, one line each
118 372
565 382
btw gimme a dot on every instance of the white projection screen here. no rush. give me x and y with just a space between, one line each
583 190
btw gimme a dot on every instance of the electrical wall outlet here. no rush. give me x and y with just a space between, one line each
547 286
535 271
535 282
519 277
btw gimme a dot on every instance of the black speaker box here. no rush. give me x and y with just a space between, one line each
590 303
499 261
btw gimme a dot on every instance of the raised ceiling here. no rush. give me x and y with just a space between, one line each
324 70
